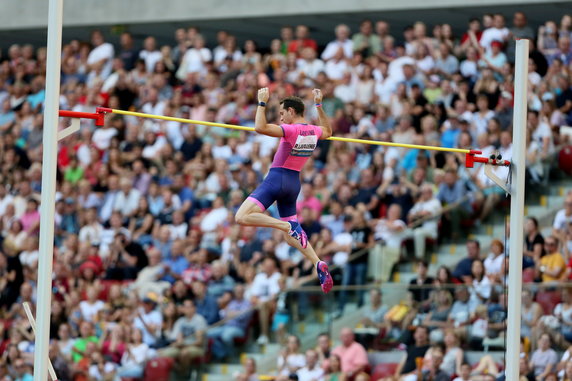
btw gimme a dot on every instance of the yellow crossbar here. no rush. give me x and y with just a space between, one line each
243 128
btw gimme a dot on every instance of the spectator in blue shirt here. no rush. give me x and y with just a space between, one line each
220 281
185 194
162 241
176 263
463 269
452 191
564 53
411 77
7 115
206 304
450 136
239 317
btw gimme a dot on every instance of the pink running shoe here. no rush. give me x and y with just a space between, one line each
324 276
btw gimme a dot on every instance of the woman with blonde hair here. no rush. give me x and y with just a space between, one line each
291 359
453 354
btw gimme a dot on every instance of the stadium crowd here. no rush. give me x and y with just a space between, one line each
148 256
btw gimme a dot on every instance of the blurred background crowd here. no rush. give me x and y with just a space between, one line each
149 263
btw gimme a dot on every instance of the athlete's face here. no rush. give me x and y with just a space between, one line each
286 115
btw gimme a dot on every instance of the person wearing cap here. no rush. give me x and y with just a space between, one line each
149 320
494 59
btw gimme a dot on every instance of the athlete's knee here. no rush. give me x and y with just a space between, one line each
240 218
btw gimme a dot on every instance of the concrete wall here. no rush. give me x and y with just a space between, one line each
29 14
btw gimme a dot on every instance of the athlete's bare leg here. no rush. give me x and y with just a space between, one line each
250 214
308 252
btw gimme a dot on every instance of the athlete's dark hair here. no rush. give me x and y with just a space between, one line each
296 103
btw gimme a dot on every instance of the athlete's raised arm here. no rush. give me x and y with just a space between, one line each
260 124
324 121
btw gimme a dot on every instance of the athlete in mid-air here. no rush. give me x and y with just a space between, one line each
298 140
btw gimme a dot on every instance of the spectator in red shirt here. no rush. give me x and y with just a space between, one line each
471 37
302 41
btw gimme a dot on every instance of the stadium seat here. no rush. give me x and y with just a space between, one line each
565 159
548 300
383 370
158 369
528 275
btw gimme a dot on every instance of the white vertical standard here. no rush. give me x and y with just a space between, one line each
47 209
518 162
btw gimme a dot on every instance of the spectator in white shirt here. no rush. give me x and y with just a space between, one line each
226 51
29 256
541 133
152 104
5 199
563 216
102 136
92 230
149 320
101 56
427 208
498 32
195 59
346 90
309 64
89 308
127 200
265 287
134 357
215 217
342 42
290 359
179 227
311 372
390 231
150 54
494 261
336 66
481 117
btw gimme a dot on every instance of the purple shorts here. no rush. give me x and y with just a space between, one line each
281 185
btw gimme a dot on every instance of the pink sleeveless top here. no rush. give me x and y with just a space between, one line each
297 145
